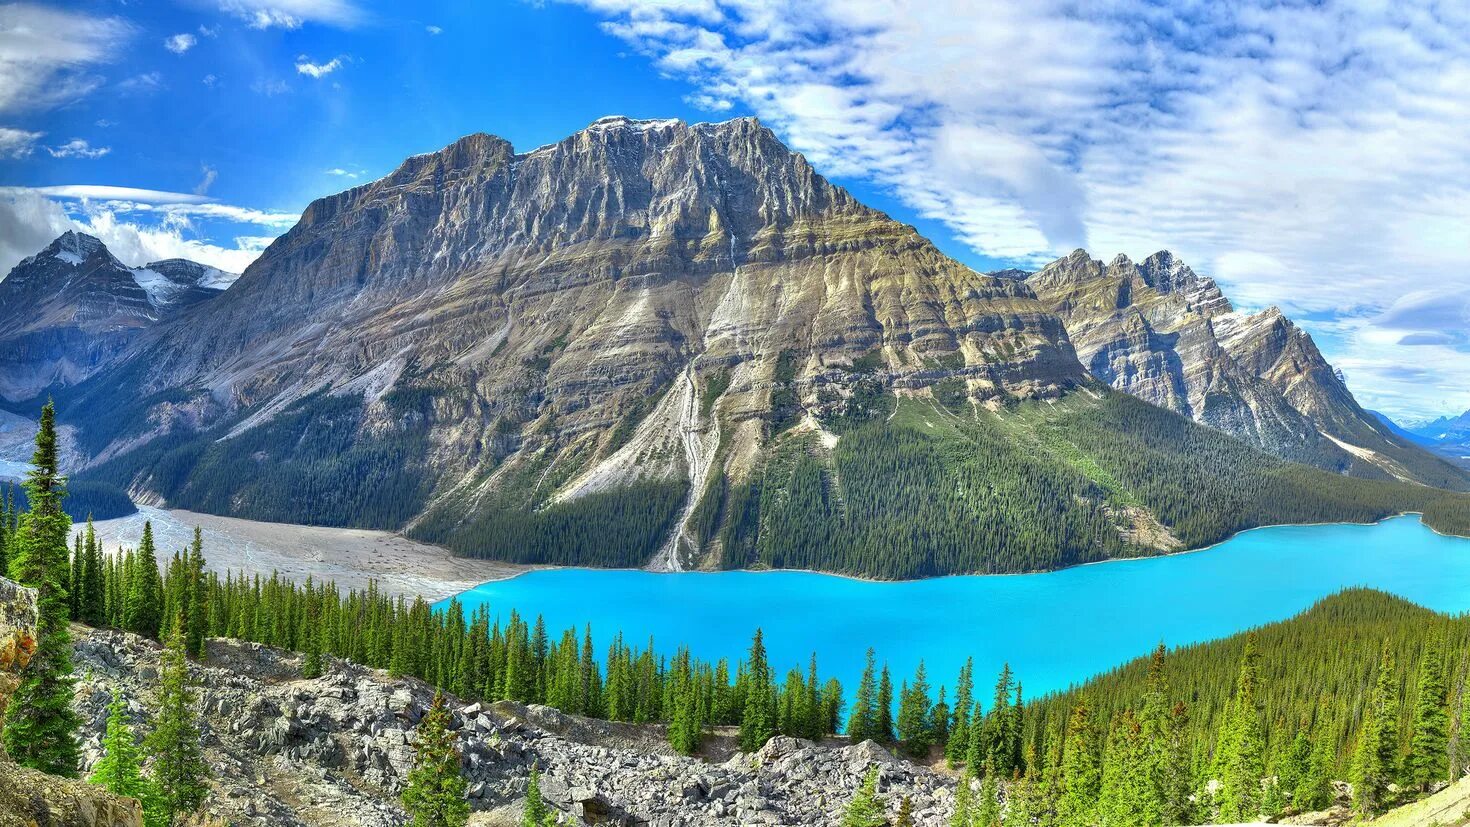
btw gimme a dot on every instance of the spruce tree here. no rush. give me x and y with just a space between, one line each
959 742
866 808
905 817
862 724
964 801
41 729
120 769
143 607
93 599
885 705
198 611
915 731
1377 747
1081 774
758 719
1241 763
535 812
1428 759
435 795
1314 790
175 742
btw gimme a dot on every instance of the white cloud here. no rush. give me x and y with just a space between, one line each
345 173
209 80
208 174
1310 155
144 84
135 231
180 43
431 29
304 66
18 143
46 55
293 14
78 148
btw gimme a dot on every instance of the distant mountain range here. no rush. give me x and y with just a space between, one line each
67 311
673 345
1448 436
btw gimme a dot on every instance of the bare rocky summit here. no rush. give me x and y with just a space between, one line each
1161 332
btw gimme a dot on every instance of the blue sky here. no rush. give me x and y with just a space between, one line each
1309 155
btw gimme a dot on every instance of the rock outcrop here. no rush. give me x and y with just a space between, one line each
29 798
1161 332
335 750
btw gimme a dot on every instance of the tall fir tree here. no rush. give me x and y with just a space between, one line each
1374 755
959 728
758 718
1081 771
143 609
175 742
1241 763
41 728
535 812
1428 759
885 705
915 728
862 724
435 794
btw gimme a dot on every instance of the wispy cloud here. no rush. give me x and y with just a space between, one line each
304 66
293 14
208 175
47 56
431 29
180 43
144 84
1309 155
77 148
18 143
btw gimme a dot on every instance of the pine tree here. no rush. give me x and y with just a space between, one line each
1081 775
964 801
1377 747
758 719
1241 762
1314 790
866 808
120 769
535 812
198 611
178 757
435 795
885 704
41 730
915 731
987 804
93 598
862 724
1428 759
144 602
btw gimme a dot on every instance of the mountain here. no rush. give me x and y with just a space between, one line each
663 344
71 308
1161 332
1448 436
1400 431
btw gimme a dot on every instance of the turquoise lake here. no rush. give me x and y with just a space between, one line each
1054 628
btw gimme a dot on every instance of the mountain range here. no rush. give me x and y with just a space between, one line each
1448 436
673 345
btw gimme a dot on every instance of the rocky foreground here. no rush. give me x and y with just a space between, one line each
335 750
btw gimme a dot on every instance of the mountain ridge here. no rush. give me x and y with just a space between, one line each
654 343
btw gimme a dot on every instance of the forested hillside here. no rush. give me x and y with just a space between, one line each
938 489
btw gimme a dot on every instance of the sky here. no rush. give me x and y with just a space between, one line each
1310 155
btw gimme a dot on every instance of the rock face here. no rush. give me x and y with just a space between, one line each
1165 334
335 750
641 302
27 797
72 308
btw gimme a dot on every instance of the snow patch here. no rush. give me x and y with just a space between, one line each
69 257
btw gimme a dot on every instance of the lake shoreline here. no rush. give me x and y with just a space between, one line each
861 579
